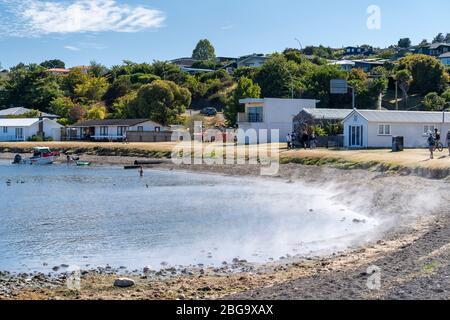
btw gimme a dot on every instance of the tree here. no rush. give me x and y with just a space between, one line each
118 109
204 51
75 77
439 38
162 101
447 38
433 102
30 86
446 96
55 63
244 89
403 78
119 88
96 112
97 69
424 43
404 43
77 113
91 90
428 73
61 106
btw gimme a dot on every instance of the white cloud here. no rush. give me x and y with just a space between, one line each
72 48
34 17
228 27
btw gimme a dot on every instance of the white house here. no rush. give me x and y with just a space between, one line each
110 129
24 128
375 128
268 114
19 111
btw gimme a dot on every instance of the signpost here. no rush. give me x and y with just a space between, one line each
340 86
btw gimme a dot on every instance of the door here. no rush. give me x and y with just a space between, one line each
355 136
19 134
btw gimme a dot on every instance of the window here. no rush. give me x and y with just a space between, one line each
121 131
140 128
5 129
103 131
428 128
384 130
158 129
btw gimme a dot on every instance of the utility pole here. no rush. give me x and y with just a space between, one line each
396 95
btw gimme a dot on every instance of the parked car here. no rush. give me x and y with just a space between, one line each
210 112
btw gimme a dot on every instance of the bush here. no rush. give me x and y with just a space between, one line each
35 138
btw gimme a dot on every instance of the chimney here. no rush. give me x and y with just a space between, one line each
41 132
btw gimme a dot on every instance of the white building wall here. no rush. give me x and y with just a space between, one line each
51 129
356 120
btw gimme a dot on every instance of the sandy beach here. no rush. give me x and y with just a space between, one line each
411 253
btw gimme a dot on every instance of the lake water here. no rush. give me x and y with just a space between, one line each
106 215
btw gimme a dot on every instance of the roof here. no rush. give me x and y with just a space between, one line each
111 122
262 100
184 62
403 116
21 110
328 114
58 70
445 55
437 45
343 62
25 122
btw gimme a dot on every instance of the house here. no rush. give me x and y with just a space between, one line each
356 51
268 114
251 61
19 111
184 62
4 74
111 129
346 65
58 71
445 58
434 49
368 65
376 128
22 129
319 116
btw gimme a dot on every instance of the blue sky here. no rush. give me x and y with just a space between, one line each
109 31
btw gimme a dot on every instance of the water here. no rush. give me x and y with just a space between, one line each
106 215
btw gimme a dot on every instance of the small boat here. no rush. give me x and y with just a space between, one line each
83 163
41 156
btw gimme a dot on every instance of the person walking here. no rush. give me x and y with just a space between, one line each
448 142
431 144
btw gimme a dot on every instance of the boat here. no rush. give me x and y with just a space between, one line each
83 163
41 156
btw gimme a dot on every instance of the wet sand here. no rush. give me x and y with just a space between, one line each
412 254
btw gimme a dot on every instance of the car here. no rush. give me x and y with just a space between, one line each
209 111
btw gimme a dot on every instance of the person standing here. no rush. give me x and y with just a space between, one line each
289 141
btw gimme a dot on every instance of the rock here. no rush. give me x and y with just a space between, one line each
124 283
56 268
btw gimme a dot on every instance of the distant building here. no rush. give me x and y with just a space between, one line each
376 128
251 61
267 114
184 62
113 129
368 65
346 65
445 58
62 71
434 49
356 51
24 129
19 111
4 75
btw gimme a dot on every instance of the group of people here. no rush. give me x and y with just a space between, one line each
434 139
305 138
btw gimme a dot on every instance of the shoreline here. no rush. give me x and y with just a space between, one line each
271 280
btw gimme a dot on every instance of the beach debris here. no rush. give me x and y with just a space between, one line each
124 282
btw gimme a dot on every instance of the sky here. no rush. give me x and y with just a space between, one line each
110 31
